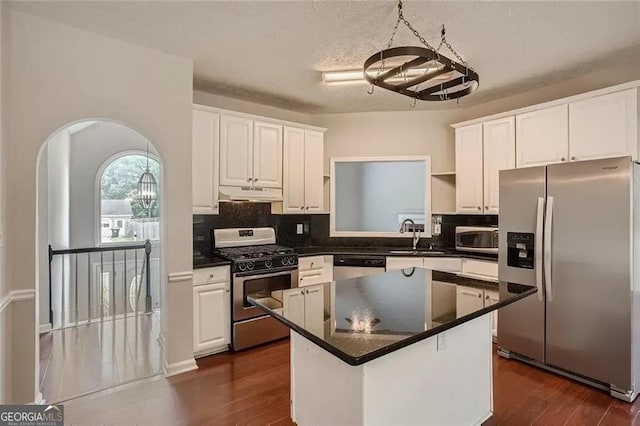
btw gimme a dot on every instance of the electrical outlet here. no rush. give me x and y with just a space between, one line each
299 229
442 342
437 229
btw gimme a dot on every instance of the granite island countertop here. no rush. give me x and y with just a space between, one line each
361 319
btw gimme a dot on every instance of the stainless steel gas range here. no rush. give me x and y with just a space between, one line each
258 265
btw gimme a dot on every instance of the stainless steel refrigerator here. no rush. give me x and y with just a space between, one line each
573 230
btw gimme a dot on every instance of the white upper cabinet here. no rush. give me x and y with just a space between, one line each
542 137
204 165
499 154
604 126
236 151
294 165
303 189
469 178
267 155
314 171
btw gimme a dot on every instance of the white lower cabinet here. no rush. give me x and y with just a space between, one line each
315 270
305 307
397 263
211 311
471 299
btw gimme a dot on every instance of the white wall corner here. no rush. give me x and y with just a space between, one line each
176 368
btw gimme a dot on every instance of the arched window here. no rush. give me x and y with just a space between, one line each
122 217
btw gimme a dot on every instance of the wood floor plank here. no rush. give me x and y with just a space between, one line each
252 388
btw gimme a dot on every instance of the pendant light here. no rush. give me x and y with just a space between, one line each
147 187
394 69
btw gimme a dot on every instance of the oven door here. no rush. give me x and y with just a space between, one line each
246 283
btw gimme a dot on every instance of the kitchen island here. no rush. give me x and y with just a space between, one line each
381 349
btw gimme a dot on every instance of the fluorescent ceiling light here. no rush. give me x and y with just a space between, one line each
348 77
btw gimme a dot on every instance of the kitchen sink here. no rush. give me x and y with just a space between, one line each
417 252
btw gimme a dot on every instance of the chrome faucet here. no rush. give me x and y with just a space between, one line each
416 237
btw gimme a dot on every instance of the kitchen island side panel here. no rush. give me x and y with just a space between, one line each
420 384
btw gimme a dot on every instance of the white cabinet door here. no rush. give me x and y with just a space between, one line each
604 126
293 176
211 322
499 153
314 309
397 263
205 148
468 300
542 137
492 297
446 264
293 305
469 169
314 172
267 155
236 151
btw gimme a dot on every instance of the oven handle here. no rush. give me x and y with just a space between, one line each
272 272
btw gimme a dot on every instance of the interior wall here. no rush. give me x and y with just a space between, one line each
59 75
90 148
5 308
218 101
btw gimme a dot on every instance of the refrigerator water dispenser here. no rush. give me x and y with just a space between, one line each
520 250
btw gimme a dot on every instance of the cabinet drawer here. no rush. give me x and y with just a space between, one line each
316 275
211 275
446 264
480 269
311 263
396 263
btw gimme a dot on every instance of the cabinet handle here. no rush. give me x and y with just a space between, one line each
479 208
562 159
479 295
215 206
301 208
487 297
226 290
255 180
210 275
249 179
307 207
302 292
486 207
573 158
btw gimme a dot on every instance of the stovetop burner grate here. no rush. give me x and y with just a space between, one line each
253 252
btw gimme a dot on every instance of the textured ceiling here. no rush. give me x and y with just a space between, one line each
274 52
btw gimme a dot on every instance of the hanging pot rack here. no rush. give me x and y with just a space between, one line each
388 69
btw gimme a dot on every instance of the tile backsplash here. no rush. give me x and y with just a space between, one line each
315 228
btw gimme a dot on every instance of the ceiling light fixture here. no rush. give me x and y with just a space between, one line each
394 69
352 77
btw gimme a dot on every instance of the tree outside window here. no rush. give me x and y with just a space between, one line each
119 203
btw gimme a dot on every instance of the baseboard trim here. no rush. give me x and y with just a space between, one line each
39 399
175 277
179 367
45 328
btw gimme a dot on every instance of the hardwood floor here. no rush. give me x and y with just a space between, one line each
252 388
87 358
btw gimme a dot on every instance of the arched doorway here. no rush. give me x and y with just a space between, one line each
99 293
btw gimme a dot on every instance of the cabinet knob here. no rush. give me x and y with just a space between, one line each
226 290
486 207
479 295
573 158
562 159
210 275
301 208
255 180
215 206
479 208
249 179
307 207
302 292
487 297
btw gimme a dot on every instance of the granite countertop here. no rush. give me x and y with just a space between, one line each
387 251
364 318
209 262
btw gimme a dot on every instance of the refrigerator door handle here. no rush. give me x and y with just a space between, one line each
548 223
538 244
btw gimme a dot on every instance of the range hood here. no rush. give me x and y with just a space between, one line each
250 193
